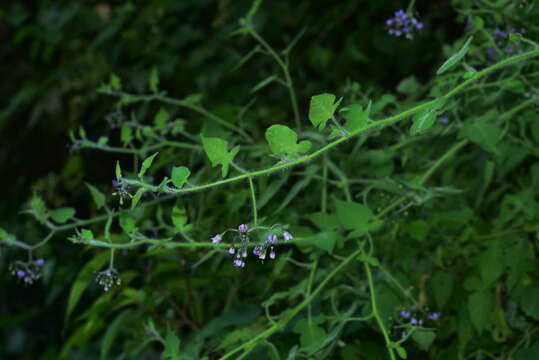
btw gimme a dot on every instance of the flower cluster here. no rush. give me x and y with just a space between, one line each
262 251
415 317
27 272
403 25
108 278
121 190
507 47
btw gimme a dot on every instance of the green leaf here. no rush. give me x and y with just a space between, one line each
172 347
531 353
409 86
491 263
146 165
39 209
179 218
424 119
311 336
154 80
87 234
283 141
217 151
126 134
482 133
161 119
321 109
180 175
529 301
62 215
351 215
356 117
424 339
326 240
401 352
115 82
112 333
3 233
118 171
455 58
97 195
136 198
442 285
127 223
480 306
84 278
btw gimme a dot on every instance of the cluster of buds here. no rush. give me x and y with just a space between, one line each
261 251
403 25
115 119
108 278
27 272
121 189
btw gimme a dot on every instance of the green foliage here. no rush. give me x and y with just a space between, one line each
284 141
217 151
146 165
321 109
455 58
180 174
397 203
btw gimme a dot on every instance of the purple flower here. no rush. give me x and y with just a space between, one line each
271 239
499 33
434 316
405 314
403 24
414 321
243 227
231 250
216 239
21 273
40 262
443 120
272 254
287 236
239 263
116 183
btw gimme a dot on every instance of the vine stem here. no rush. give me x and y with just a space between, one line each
253 198
286 72
375 313
375 124
281 323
